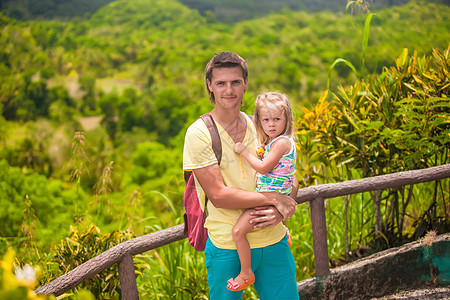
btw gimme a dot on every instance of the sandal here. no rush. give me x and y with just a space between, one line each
289 236
235 286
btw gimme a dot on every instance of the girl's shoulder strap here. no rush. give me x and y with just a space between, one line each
279 137
290 139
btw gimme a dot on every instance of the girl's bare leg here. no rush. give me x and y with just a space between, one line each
239 232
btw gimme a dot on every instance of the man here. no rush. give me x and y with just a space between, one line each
230 189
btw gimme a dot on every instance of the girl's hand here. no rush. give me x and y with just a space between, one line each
239 147
261 151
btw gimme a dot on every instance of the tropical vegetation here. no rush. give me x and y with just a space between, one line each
93 111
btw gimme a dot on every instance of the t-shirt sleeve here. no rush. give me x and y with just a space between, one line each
197 151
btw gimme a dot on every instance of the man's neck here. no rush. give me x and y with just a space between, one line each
225 117
232 122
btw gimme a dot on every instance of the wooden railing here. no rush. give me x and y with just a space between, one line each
123 253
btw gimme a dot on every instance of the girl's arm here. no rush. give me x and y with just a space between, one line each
279 148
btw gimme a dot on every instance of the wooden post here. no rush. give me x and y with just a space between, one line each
319 231
127 278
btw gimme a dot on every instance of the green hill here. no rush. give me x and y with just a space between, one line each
237 10
228 11
156 50
50 9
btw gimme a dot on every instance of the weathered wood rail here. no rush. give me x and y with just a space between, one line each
123 253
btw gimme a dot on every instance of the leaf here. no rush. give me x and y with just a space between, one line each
445 86
323 96
331 68
418 80
346 162
347 143
366 34
411 87
348 14
305 110
401 61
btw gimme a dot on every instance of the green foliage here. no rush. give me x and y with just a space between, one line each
365 41
150 161
138 66
19 282
233 10
170 114
63 107
423 106
29 9
175 271
396 121
87 85
147 47
18 285
23 191
3 126
84 244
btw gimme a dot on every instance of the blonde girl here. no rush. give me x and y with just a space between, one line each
274 122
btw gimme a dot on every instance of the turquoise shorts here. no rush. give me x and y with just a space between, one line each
274 269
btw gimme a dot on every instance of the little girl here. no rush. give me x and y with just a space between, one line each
274 124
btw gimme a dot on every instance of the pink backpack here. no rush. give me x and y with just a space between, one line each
194 218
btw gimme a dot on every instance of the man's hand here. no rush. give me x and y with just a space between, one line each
294 191
265 216
285 205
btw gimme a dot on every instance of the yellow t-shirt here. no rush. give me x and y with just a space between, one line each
236 172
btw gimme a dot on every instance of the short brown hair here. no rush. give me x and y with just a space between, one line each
224 60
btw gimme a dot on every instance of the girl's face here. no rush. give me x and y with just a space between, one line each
272 120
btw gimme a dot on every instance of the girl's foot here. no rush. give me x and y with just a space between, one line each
240 282
289 236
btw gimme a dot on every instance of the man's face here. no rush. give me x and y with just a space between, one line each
228 86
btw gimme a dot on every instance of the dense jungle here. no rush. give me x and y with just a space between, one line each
96 97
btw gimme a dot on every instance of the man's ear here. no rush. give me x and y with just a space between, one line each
208 85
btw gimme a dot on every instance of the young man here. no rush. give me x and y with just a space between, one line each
230 189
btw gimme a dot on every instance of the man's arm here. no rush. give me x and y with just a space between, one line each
294 191
222 196
268 215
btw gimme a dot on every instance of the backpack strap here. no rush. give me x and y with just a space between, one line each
215 140
217 148
215 137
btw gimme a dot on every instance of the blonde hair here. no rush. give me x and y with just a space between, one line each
282 101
